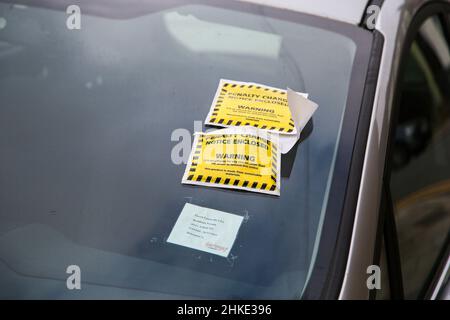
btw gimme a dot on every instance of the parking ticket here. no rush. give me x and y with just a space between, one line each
243 158
275 110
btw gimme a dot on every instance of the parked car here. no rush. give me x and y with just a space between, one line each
95 120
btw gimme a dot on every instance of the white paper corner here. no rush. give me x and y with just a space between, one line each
302 110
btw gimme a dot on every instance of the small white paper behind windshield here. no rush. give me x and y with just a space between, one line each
206 229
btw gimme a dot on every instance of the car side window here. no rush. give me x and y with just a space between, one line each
420 168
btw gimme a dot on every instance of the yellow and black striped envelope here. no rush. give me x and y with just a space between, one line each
250 104
238 158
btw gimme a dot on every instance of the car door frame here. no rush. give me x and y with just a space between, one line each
393 22
388 228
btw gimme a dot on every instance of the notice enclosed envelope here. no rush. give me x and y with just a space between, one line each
243 158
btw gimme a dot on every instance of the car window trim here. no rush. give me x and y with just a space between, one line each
392 247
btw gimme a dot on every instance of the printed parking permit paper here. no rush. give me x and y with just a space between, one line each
242 158
205 229
251 104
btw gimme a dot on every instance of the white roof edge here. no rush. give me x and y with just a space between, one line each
349 11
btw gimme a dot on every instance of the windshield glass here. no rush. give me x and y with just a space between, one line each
96 127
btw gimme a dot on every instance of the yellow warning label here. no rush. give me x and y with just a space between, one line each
251 104
245 161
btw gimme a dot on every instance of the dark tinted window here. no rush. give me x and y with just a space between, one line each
420 180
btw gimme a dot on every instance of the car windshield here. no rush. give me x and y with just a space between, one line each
96 126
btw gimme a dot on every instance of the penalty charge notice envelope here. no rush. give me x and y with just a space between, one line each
242 158
251 104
